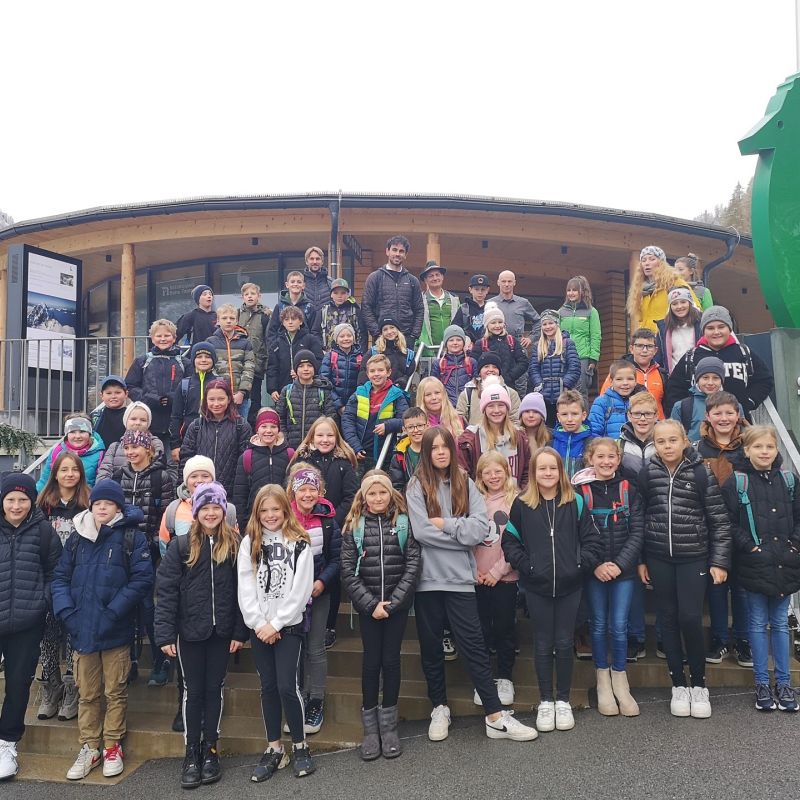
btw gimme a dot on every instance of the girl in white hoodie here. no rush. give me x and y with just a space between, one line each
276 576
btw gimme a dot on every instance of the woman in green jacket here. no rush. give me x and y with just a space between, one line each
686 267
579 318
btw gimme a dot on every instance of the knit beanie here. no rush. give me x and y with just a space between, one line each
196 463
709 365
389 321
134 405
653 250
454 331
204 347
268 415
107 490
495 392
78 424
489 358
533 401
491 313
376 476
716 314
550 313
18 482
680 293
208 493
308 357
198 290
340 328
137 439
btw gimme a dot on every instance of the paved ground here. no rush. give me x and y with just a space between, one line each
738 753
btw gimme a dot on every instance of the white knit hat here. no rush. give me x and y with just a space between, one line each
137 404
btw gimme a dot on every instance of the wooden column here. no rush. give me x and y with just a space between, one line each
609 299
127 294
433 249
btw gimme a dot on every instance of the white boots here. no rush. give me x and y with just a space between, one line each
613 689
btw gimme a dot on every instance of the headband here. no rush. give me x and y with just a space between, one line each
305 477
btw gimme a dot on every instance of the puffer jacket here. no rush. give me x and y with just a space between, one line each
341 481
771 565
622 535
327 561
397 295
155 375
300 405
90 457
583 325
142 490
455 372
282 353
553 373
653 378
570 446
268 465
330 315
223 441
356 427
97 588
28 557
114 459
255 321
195 602
341 370
318 287
386 571
684 520
284 301
402 364
236 361
634 453
609 412
186 406
513 358
552 566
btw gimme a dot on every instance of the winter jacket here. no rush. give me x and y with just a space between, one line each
358 425
469 317
155 375
398 295
142 490
341 370
255 321
684 520
553 373
402 364
300 405
327 552
317 288
609 412
236 360
513 358
330 315
108 423
664 346
570 446
386 571
97 587
702 292
339 475
469 448
197 324
267 465
468 406
655 306
634 453
583 326
621 534
746 375
552 565
282 353
90 457
768 563
115 459
198 601
722 460
284 301
223 441
652 378
186 405
402 467
448 560
28 557
455 372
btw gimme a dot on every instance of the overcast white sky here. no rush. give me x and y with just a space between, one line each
625 104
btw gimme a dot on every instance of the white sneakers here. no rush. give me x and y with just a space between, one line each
8 760
554 716
701 704
692 702
439 728
508 727
87 760
564 719
112 761
505 691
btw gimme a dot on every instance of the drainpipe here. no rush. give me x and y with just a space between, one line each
333 250
731 243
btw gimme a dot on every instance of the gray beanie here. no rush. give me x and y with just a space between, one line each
709 364
716 314
454 330
343 326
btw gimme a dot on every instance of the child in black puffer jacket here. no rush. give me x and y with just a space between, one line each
380 566
512 355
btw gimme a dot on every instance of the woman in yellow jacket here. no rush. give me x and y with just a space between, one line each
648 296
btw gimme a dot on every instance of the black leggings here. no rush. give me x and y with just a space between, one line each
497 609
680 589
277 666
203 665
553 621
381 639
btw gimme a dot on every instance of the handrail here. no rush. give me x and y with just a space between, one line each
767 414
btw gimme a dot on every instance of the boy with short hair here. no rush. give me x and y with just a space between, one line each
373 412
236 361
341 309
469 316
455 368
254 318
570 433
408 449
292 337
305 400
609 411
636 435
691 411
107 419
199 323
293 296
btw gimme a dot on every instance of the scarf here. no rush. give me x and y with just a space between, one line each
648 287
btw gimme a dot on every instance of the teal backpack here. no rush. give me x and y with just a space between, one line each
742 482
401 529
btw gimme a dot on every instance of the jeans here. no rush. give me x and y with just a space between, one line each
636 626
610 603
718 610
20 654
382 640
497 609
244 409
772 610
315 659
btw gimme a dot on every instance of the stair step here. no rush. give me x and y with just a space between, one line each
53 768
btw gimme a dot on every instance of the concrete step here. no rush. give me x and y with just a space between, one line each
53 768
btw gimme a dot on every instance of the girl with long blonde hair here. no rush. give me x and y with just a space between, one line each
433 400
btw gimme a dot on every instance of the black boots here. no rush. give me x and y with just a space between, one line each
190 775
210 771
390 741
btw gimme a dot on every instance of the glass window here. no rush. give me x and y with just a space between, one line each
98 311
173 289
229 276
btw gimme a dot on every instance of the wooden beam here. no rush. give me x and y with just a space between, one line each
127 323
433 248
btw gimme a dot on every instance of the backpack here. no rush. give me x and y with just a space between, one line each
172 508
335 362
127 547
151 355
747 357
156 478
742 482
446 370
510 341
288 390
622 508
358 537
687 408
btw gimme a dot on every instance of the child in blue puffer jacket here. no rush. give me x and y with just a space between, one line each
609 411
341 365
455 369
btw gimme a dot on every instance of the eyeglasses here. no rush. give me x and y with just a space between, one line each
644 347
642 414
419 427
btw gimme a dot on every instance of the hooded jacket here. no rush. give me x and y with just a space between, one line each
398 295
155 375
583 325
552 374
282 352
400 468
236 361
469 318
570 446
358 424
609 412
186 405
300 405
268 465
90 457
341 370
284 301
96 588
722 460
318 288
327 553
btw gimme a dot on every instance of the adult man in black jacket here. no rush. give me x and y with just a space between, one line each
318 284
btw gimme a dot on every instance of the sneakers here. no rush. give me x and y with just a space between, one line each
315 716
476 698
787 700
660 650
330 638
765 701
439 728
681 703
564 719
449 648
69 702
160 676
302 763
87 760
546 716
269 764
506 726
583 645
636 650
51 692
112 761
8 760
743 653
505 691
716 652
700 703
